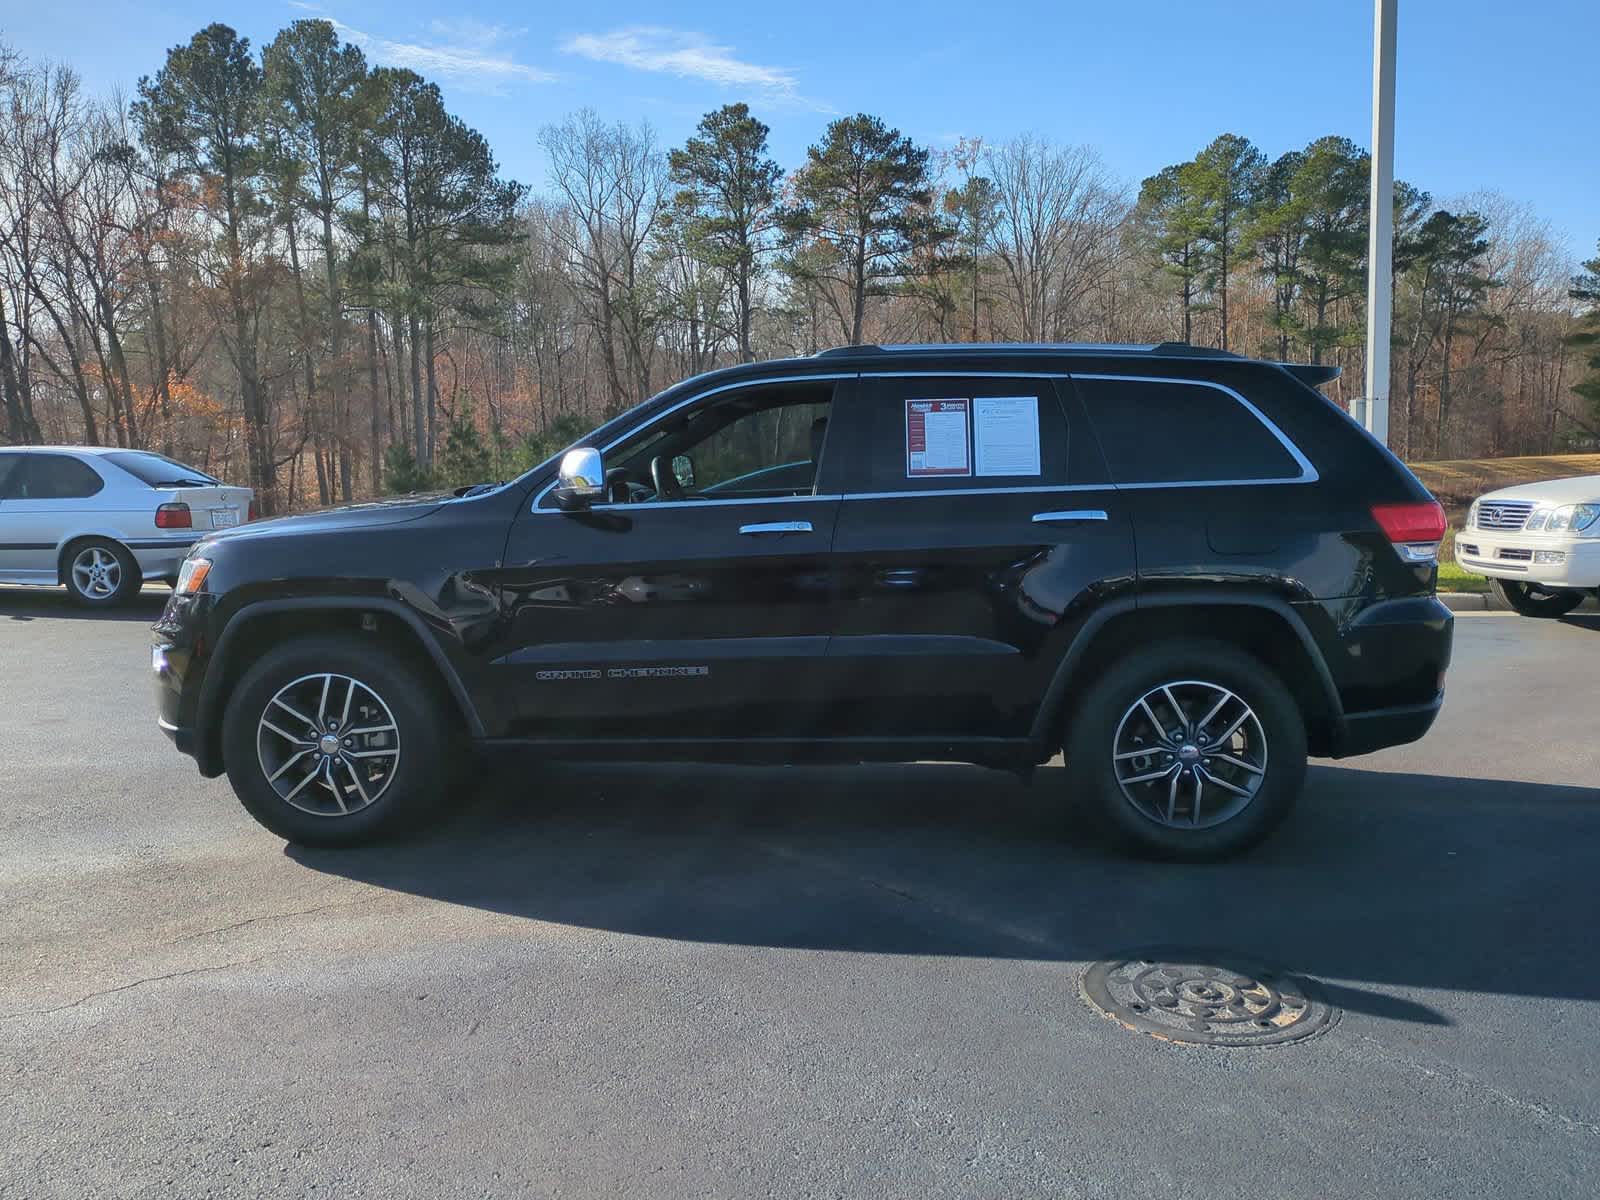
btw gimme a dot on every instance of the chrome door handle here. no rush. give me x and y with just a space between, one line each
779 527
1075 514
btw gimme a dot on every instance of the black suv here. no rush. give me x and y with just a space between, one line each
1184 570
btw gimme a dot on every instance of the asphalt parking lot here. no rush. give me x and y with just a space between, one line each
695 981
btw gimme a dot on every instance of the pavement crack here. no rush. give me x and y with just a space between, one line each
279 916
124 987
1449 1075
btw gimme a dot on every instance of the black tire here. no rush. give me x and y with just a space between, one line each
100 573
1097 718
423 726
1531 600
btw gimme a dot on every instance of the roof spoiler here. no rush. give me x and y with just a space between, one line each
1311 374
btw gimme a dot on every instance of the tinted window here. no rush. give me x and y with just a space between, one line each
1159 432
53 477
770 449
158 470
8 464
925 433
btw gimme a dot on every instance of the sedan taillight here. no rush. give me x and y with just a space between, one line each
174 516
252 513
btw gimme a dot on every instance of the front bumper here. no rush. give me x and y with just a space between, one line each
1511 554
179 654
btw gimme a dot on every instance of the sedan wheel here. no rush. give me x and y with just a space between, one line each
101 573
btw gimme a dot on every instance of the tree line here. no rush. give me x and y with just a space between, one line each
304 272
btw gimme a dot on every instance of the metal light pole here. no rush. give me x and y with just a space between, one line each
1380 237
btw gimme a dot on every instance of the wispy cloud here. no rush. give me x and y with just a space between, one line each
685 54
466 52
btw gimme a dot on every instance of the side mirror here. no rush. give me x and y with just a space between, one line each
582 480
683 470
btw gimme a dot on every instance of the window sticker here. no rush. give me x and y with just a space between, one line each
1005 435
937 438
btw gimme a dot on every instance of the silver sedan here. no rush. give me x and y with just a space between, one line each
101 520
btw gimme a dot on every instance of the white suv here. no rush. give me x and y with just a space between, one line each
101 520
1538 543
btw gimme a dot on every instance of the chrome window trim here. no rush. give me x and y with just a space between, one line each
700 503
1308 473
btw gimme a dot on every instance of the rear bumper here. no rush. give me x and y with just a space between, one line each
160 558
1387 662
1365 732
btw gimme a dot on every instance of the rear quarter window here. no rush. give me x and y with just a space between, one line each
1173 431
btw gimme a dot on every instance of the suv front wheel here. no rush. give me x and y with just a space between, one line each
1531 600
332 741
1188 750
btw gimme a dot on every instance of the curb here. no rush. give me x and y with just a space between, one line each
1486 602
1470 602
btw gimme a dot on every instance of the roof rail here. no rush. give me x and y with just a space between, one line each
1185 350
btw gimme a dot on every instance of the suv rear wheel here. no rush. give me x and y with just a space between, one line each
1188 750
1531 600
331 741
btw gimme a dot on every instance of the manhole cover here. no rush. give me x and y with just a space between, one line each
1207 998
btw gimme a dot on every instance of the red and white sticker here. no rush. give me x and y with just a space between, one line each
938 438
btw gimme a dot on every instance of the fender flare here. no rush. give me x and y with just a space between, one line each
1049 713
208 711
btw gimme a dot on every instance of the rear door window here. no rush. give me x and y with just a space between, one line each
959 432
1156 431
54 477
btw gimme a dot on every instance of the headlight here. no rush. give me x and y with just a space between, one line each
191 576
1536 521
1472 516
1574 517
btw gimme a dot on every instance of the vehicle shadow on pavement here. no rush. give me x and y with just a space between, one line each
1582 621
1411 881
32 604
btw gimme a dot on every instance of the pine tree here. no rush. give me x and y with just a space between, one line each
1224 178
1586 290
1170 227
863 206
729 202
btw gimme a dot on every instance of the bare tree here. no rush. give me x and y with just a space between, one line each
1056 221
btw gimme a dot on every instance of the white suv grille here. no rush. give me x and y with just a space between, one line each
1503 514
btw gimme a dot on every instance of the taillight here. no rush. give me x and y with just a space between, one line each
174 516
1416 529
252 513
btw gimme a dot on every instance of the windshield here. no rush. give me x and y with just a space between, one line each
158 470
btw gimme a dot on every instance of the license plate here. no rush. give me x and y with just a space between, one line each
224 518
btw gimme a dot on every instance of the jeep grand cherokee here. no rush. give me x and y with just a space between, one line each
1185 571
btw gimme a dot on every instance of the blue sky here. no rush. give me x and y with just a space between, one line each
1491 95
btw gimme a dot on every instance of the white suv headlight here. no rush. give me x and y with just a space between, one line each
1576 518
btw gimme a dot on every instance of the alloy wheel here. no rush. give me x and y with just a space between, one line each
328 745
1189 754
97 573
